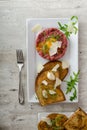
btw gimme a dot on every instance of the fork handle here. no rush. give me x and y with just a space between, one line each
21 92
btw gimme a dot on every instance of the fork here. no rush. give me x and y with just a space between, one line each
20 63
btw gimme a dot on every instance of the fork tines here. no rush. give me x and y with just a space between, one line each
20 58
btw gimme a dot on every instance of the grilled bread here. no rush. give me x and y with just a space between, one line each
52 121
47 94
48 81
78 121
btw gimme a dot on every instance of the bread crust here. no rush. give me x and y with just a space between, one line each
42 125
51 98
39 87
77 121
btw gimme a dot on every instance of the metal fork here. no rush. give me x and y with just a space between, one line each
20 63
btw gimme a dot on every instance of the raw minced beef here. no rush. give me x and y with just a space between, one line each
59 36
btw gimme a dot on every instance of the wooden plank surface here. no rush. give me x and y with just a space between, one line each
13 14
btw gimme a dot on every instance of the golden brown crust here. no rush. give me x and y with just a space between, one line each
39 87
43 126
59 121
77 121
51 99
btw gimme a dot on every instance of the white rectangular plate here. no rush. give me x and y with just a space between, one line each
33 59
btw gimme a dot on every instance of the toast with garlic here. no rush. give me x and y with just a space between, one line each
53 121
77 121
47 88
48 81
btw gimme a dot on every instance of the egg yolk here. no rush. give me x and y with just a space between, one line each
45 45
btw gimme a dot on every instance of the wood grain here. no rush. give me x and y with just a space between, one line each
13 14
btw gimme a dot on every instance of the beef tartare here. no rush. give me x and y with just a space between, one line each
51 44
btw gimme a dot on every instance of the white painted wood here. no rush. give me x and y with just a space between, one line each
13 14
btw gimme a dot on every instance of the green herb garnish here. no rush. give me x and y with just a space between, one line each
45 48
75 19
53 122
54 127
69 28
71 85
57 37
58 119
53 96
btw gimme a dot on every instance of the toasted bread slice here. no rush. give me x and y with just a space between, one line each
43 76
77 121
57 121
58 95
51 64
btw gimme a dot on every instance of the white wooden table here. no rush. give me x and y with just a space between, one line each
13 14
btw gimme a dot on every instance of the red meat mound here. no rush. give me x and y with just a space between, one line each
47 33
